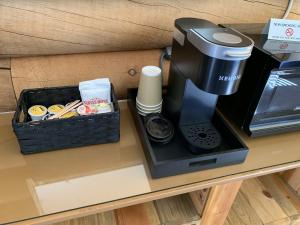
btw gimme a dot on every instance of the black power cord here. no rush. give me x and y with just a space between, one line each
165 54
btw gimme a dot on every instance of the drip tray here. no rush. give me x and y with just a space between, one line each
201 135
176 158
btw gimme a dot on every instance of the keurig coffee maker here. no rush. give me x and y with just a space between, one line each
206 61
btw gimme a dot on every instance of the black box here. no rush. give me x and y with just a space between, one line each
42 136
268 99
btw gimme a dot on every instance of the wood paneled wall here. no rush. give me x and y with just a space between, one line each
123 69
41 27
7 95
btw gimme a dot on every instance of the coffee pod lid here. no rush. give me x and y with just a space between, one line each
53 109
159 128
37 110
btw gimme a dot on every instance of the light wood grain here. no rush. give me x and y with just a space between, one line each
199 199
34 72
106 218
241 213
177 210
4 63
261 200
7 96
61 27
287 191
278 195
284 221
76 213
138 214
87 161
293 220
219 202
292 177
250 208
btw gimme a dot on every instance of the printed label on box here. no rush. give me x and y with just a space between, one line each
281 29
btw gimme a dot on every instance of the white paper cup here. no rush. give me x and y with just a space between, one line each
146 113
141 113
148 106
148 110
150 86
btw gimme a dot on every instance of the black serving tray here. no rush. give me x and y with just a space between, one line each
175 158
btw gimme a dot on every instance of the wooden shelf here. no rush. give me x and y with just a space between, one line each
61 185
266 200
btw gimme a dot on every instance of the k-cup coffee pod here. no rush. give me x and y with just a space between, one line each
37 112
53 109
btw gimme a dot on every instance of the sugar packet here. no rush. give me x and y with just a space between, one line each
96 91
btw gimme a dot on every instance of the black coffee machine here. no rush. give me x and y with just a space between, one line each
207 61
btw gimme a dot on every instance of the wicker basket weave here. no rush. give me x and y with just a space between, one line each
41 136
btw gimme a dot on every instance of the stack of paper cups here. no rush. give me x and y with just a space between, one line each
149 96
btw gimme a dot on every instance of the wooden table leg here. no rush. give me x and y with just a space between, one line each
219 202
199 199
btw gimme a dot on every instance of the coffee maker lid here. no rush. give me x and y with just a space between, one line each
227 38
222 43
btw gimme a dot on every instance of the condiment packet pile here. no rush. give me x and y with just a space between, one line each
95 95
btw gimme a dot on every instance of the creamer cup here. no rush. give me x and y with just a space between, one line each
53 109
37 112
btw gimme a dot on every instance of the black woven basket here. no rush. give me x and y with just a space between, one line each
47 135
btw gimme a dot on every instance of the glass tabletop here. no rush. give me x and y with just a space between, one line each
42 184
